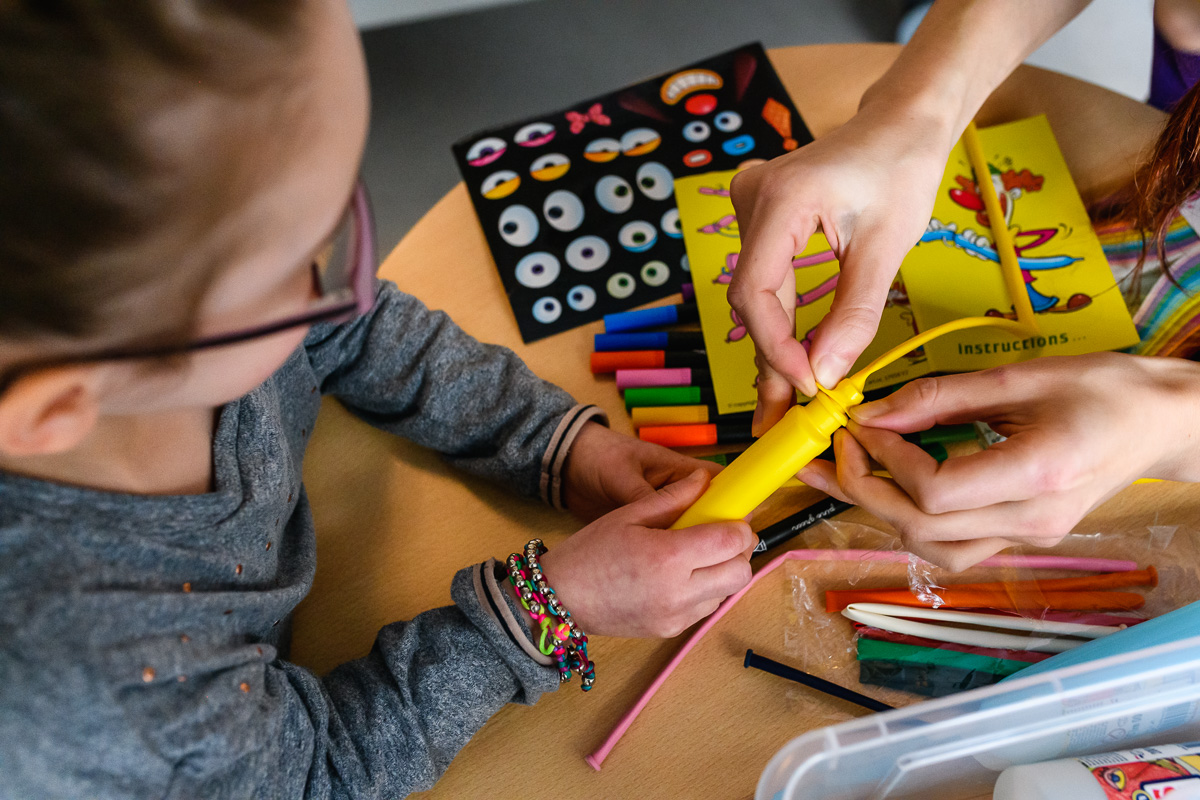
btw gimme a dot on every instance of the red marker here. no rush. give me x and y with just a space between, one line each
645 359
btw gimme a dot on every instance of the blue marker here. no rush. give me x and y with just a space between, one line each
652 340
651 318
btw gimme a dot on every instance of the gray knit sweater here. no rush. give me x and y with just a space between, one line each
143 639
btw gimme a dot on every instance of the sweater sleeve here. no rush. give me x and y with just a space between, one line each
236 721
412 371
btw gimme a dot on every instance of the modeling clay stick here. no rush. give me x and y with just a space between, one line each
1065 600
649 340
655 317
923 679
777 533
676 376
812 681
837 599
874 650
947 633
689 292
982 619
683 415
697 435
668 396
1028 656
611 361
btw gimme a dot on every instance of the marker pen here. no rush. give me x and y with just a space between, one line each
651 317
668 396
677 376
646 359
683 415
697 435
943 433
650 340
779 532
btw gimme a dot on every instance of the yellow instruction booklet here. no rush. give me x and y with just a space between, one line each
951 273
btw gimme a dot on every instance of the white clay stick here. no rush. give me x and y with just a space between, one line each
1001 621
945 633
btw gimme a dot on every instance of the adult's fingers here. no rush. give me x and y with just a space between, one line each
869 262
1045 518
948 400
1013 470
822 476
775 396
957 556
763 293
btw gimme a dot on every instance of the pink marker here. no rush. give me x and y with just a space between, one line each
677 376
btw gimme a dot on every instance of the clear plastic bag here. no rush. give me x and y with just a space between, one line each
824 642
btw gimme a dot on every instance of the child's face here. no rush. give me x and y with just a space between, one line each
304 144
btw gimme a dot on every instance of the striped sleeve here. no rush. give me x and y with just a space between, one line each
555 457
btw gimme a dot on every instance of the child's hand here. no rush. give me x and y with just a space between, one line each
625 575
606 470
1079 430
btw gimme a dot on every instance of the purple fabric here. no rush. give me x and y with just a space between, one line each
1172 73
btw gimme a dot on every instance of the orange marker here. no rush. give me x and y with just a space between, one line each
697 435
682 415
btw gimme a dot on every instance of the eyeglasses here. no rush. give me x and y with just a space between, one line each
343 275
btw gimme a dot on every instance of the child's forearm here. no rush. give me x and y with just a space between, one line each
961 52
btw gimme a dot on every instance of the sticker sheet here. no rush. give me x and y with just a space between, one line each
578 205
711 234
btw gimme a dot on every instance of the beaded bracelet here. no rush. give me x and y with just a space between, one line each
560 636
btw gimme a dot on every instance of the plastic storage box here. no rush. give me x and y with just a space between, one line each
955 747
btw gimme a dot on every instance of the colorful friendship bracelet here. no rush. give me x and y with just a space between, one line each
560 636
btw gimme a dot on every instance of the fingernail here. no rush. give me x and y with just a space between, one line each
828 370
868 411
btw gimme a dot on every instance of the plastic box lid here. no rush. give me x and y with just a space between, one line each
954 747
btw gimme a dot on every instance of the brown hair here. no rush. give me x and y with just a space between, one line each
1164 182
104 140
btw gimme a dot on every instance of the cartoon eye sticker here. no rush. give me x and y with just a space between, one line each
739 145
535 134
670 224
485 151
537 270
696 131
697 158
637 237
518 225
655 180
563 210
640 141
620 285
500 184
581 297
614 194
727 121
546 310
549 167
602 150
587 253
655 273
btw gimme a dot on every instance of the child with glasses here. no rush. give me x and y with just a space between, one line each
186 268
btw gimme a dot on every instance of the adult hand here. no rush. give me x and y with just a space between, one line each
869 187
606 470
1080 429
627 575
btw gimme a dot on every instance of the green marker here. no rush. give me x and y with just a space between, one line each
667 396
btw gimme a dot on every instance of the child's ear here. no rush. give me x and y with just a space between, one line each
48 411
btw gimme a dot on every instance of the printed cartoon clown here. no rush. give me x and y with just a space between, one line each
1010 186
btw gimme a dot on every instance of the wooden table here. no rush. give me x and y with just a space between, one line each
380 503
